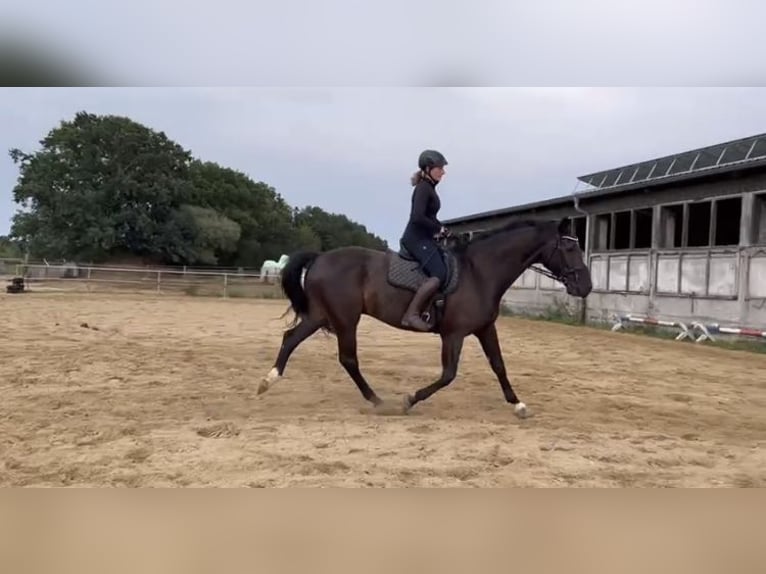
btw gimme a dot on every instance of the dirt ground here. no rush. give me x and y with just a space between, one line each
146 390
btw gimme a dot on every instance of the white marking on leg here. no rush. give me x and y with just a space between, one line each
268 380
521 410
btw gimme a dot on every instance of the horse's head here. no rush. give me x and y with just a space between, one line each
562 256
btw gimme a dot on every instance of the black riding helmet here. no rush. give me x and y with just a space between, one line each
431 158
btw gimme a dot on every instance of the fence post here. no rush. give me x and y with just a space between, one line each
225 285
159 276
87 279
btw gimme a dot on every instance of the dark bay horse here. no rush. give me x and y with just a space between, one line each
332 290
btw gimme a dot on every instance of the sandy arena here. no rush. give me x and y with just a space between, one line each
161 391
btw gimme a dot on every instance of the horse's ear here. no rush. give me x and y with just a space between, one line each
564 226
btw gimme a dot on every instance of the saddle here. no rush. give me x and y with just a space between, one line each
405 272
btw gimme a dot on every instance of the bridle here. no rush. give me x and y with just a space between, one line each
567 271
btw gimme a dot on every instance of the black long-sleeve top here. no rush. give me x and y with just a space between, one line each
423 222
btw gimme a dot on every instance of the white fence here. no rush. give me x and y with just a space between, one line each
72 277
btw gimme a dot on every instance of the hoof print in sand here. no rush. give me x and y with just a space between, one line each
222 430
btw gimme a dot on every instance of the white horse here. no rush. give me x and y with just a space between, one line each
271 268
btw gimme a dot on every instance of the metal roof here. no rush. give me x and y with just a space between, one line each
735 155
740 153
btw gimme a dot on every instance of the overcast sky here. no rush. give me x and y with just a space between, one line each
353 150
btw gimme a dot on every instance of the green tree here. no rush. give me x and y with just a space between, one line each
9 248
265 219
305 238
107 186
201 235
100 185
336 230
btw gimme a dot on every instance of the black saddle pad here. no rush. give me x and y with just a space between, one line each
405 272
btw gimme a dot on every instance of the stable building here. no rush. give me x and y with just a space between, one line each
680 237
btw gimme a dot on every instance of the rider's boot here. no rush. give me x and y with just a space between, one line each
412 317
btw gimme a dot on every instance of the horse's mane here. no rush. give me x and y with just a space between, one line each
513 225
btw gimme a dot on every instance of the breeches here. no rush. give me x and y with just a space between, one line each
429 256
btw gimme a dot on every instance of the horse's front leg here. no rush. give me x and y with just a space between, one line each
452 345
491 347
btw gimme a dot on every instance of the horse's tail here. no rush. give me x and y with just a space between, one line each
291 281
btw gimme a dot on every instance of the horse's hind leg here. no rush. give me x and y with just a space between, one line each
290 341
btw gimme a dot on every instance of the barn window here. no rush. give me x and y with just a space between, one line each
699 224
643 228
622 230
759 219
727 221
579 227
672 218
603 232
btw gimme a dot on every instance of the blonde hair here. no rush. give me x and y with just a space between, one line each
416 177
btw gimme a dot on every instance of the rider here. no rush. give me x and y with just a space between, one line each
422 231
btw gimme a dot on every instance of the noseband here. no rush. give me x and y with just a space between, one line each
567 271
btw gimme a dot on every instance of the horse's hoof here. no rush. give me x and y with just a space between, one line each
267 380
391 409
406 404
520 410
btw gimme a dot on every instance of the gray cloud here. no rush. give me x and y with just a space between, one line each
352 150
